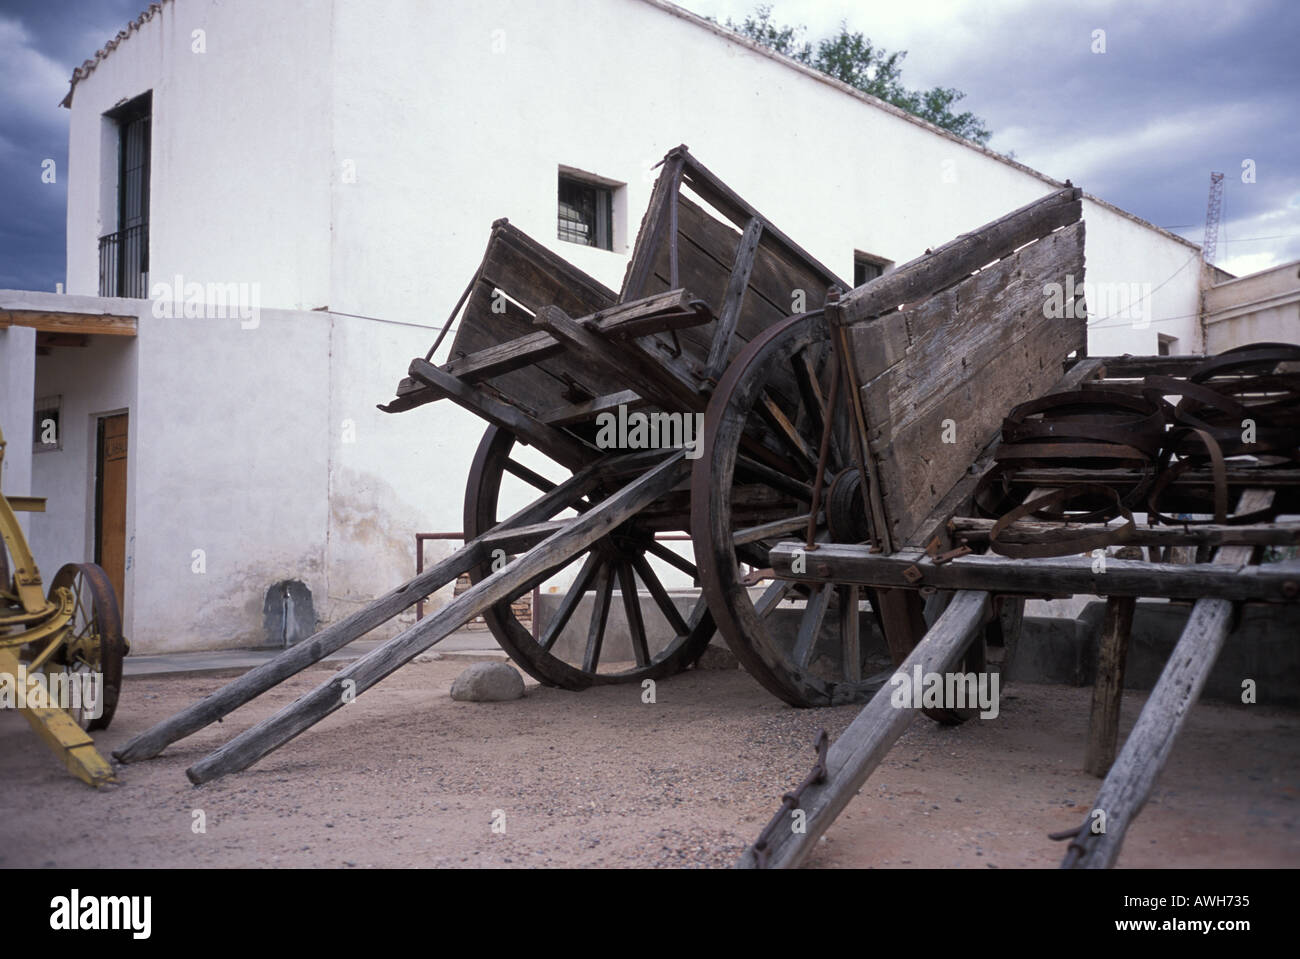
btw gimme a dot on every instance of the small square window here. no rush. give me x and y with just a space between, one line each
1165 344
47 427
867 267
586 213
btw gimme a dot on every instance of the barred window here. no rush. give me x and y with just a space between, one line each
586 213
47 430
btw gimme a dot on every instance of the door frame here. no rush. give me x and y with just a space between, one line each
95 491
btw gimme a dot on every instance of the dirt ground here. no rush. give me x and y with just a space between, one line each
406 777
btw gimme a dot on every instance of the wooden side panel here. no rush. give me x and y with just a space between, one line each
535 277
706 249
967 355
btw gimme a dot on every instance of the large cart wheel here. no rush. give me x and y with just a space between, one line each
753 488
617 561
94 644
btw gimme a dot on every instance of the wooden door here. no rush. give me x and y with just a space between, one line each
110 500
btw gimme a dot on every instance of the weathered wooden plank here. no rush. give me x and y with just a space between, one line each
650 377
974 352
503 357
731 205
99 324
1137 367
489 321
958 259
1108 687
655 226
670 310
626 320
560 446
512 579
537 276
1128 784
733 299
861 747
531 274
976 530
1056 576
588 410
707 251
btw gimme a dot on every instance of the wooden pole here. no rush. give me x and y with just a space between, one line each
520 526
869 737
344 686
1128 784
956 260
976 530
1053 576
297 658
1108 689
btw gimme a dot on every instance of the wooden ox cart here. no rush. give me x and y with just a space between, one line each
845 438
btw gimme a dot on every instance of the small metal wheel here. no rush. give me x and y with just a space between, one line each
95 644
617 561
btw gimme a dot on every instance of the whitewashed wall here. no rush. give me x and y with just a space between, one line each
93 381
352 155
1261 307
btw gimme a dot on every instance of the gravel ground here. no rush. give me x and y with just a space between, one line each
406 777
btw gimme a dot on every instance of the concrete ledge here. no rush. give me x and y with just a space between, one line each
1264 646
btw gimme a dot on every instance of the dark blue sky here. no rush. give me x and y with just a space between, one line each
40 43
1183 88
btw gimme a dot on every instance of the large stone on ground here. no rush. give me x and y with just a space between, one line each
488 683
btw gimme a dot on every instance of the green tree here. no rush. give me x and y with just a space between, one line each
853 59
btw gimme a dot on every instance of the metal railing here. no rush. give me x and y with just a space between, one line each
124 262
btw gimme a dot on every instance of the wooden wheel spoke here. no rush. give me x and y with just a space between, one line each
599 484
810 625
776 591
776 528
570 602
528 476
599 616
672 559
772 414
632 607
850 642
761 473
814 400
810 393
660 595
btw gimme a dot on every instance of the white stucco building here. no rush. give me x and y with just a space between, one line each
330 161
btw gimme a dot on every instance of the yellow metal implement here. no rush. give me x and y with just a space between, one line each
77 626
60 731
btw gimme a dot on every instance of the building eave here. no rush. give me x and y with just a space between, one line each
88 67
